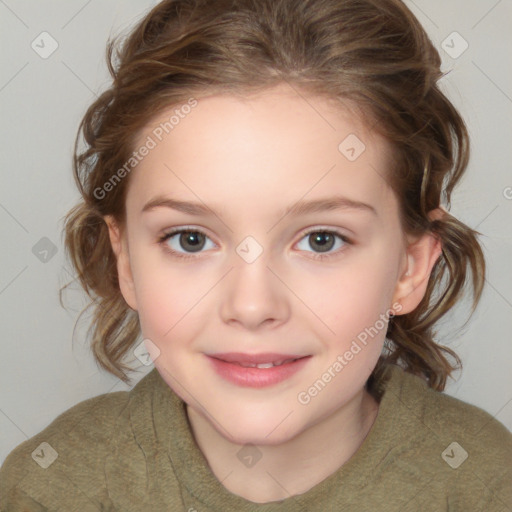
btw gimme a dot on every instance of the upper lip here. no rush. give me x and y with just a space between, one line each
266 357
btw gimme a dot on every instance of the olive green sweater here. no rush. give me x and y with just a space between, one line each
134 451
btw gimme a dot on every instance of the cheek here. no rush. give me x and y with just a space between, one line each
347 297
355 294
167 296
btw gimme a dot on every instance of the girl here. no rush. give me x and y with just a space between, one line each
263 189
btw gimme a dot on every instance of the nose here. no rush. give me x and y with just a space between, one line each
253 296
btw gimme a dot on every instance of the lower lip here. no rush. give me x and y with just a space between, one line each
257 377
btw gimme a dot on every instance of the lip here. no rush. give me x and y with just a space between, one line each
264 357
226 366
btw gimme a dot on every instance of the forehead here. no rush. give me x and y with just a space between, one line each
279 145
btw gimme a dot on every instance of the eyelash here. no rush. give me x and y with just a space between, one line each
184 256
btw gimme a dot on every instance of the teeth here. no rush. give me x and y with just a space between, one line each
265 365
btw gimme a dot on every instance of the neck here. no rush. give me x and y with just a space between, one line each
292 467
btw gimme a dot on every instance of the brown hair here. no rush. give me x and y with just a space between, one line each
373 53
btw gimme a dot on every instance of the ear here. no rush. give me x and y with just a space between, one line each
421 256
120 247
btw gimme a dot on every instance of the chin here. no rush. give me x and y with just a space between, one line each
257 439
263 433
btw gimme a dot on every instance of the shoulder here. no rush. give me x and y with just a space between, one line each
465 447
442 412
69 450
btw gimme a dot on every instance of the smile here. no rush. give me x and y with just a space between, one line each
264 365
256 370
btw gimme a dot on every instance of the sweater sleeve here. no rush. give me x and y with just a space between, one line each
477 453
17 501
12 472
60 468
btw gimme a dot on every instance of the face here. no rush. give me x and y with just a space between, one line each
238 279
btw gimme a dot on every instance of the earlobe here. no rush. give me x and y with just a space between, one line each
120 248
421 257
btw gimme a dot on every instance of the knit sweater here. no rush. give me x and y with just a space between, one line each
134 451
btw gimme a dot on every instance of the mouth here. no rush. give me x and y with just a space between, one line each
257 370
266 360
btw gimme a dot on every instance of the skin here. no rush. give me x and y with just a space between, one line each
248 159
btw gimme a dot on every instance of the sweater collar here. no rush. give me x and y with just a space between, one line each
161 429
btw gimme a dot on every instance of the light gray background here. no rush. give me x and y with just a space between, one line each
44 369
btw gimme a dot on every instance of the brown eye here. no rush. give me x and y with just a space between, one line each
322 241
184 242
191 241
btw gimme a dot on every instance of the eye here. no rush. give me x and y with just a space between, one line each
190 240
323 241
185 242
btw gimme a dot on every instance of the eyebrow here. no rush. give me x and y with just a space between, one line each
297 209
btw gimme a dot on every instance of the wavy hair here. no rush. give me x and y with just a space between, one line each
373 53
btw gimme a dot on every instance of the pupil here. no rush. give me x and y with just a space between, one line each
191 240
323 239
